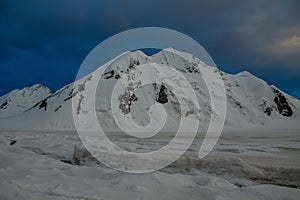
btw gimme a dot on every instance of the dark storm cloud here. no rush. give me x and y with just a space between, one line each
54 36
45 41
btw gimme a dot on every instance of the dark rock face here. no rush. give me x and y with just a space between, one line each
44 104
193 68
162 97
126 101
57 109
4 105
133 63
268 111
79 104
128 97
282 104
118 73
109 74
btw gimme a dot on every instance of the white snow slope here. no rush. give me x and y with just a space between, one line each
19 101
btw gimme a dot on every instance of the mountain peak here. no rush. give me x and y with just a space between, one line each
250 100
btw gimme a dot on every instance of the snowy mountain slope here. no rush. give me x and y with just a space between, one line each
18 101
250 100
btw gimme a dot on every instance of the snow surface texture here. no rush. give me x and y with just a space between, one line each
46 166
251 102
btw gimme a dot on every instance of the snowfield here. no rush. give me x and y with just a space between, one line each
56 166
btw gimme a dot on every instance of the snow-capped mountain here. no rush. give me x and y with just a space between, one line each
19 101
250 100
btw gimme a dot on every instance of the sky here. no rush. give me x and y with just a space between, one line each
45 41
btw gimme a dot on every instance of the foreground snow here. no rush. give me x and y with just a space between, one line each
39 166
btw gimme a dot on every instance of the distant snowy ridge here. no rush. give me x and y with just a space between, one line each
250 100
20 100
